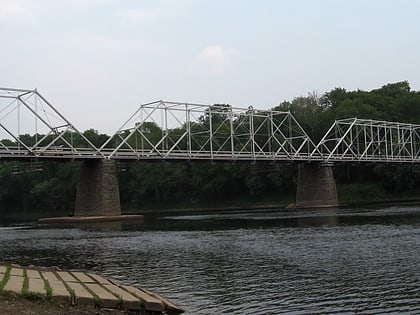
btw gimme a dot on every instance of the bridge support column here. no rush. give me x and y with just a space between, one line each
98 191
316 186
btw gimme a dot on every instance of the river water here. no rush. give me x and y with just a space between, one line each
247 262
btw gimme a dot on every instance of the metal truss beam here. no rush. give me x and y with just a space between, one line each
173 131
30 127
362 140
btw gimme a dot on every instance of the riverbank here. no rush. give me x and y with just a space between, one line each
15 304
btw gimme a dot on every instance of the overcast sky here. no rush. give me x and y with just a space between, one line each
97 60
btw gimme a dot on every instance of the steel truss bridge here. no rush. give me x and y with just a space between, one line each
31 128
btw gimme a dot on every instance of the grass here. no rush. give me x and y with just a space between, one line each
48 290
5 278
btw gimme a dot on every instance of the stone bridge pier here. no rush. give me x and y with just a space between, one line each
316 186
98 191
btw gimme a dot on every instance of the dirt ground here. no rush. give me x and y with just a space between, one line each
14 305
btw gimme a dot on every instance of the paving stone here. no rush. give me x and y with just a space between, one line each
33 274
150 302
99 279
66 276
107 298
83 277
83 297
50 276
3 269
59 292
16 272
14 284
129 301
37 286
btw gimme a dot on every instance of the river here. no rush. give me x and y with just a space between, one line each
246 262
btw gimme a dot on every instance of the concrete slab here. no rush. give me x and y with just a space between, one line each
16 272
3 269
107 298
49 276
33 274
150 302
66 276
37 286
59 292
129 301
83 277
14 284
83 297
168 304
99 279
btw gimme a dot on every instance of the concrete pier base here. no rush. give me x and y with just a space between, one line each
98 190
316 186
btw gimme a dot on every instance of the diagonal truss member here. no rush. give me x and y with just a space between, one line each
171 130
31 127
365 140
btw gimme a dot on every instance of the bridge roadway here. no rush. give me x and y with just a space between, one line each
32 129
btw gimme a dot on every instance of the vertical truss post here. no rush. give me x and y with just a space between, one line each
232 134
211 133
188 126
251 132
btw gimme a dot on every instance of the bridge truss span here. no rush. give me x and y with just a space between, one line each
363 140
30 127
173 131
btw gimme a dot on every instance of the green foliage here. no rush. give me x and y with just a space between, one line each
368 191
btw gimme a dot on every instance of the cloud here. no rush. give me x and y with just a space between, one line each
212 60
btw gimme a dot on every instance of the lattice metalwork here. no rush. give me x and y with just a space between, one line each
370 141
30 127
170 130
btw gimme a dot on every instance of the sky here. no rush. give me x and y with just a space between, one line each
96 61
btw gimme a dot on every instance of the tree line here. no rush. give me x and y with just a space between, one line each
51 186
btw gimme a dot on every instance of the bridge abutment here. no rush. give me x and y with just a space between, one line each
98 191
316 186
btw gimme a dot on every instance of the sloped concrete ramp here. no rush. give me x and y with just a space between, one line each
80 288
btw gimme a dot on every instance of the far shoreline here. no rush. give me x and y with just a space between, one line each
27 217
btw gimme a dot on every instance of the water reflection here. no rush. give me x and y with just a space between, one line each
248 262
323 217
